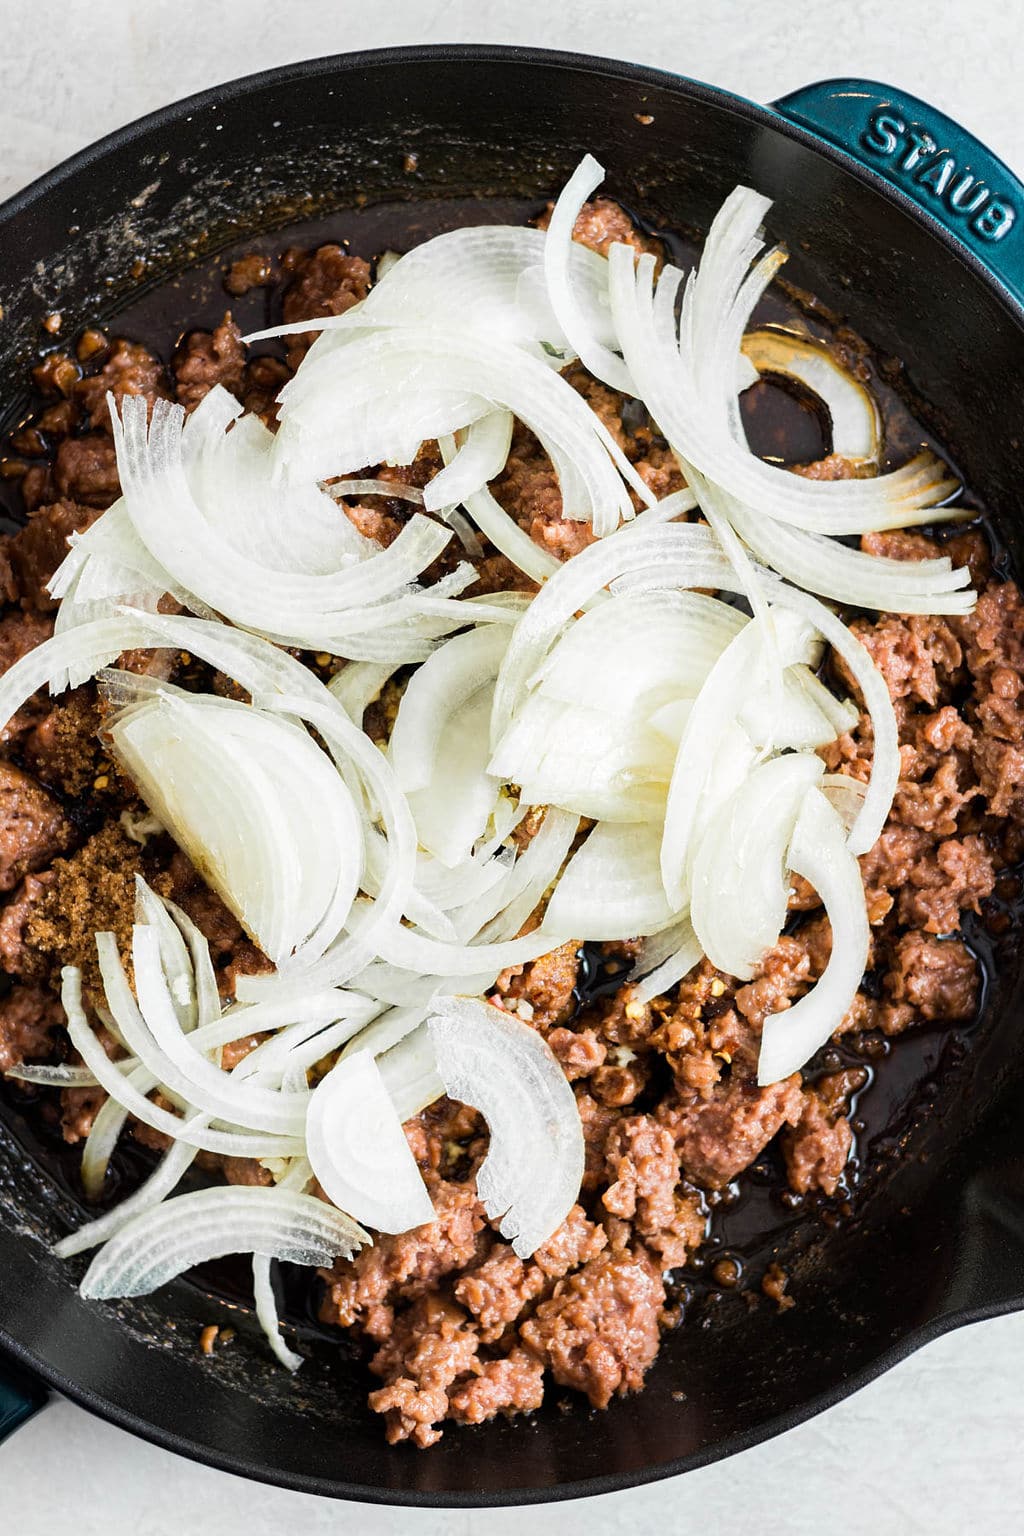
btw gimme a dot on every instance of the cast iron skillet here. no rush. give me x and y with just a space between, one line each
868 207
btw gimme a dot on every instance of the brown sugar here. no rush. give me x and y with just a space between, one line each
94 891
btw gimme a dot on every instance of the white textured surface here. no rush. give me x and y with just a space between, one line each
934 1446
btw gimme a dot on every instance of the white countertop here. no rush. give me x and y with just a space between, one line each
934 1446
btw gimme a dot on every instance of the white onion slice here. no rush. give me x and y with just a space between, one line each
452 812
481 457
847 575
574 322
442 685
358 1150
885 762
221 777
852 411
409 1072
664 960
742 671
159 1244
740 891
325 426
132 1098
612 886
531 1175
687 380
266 1313
820 852
413 952
502 913
167 1175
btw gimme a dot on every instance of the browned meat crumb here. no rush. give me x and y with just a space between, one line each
64 750
327 281
85 470
545 986
599 1331
129 369
774 1287
36 550
248 272
720 1136
29 1016
817 1147
207 358
33 828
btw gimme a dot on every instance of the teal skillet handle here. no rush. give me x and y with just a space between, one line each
932 160
20 1397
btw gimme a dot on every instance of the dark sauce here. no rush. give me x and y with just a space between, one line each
756 1219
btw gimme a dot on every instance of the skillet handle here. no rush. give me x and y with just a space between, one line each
20 1397
932 160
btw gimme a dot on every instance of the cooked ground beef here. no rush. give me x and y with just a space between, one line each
462 1328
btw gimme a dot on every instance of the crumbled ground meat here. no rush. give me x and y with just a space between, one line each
33 828
666 1090
599 1331
36 550
327 281
248 272
207 358
129 369
85 470
28 1018
19 634
720 1136
817 1147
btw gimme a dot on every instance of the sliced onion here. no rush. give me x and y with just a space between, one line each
159 1244
612 886
409 1072
266 1313
51 1075
481 458
167 1175
820 853
132 1097
740 891
359 684
396 488
298 607
885 763
668 549
644 649
358 1150
531 1175
452 812
853 414
664 960
845 795
688 383
413 952
501 915
848 575
487 279
221 777
442 685
346 407
574 322
737 676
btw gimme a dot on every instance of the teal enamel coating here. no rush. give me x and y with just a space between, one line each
931 159
20 1398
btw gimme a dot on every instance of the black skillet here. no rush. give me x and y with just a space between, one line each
896 219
